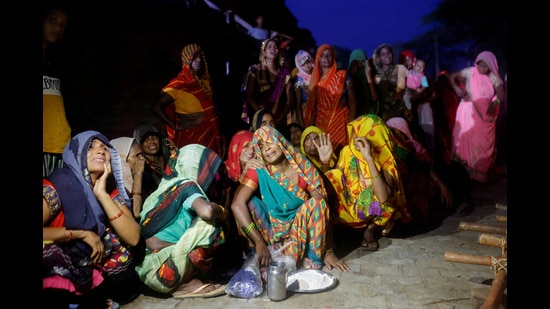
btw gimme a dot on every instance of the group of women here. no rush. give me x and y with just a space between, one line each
101 230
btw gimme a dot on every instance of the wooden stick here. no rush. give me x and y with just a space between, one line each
501 206
501 218
492 240
478 227
467 258
494 298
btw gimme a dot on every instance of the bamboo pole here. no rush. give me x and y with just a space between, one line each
467 258
478 227
494 298
501 218
492 240
501 206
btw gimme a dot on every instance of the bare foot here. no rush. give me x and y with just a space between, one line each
308 264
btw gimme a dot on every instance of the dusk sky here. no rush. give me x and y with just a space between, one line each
362 24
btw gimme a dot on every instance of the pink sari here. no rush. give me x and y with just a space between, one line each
474 133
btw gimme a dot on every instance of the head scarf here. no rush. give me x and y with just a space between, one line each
187 80
378 134
236 146
481 85
297 160
305 133
145 130
258 118
75 156
195 164
123 146
489 59
297 61
401 124
376 57
356 54
404 54
262 57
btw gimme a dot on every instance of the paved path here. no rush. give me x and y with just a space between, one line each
406 272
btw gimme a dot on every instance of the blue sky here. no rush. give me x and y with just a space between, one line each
362 24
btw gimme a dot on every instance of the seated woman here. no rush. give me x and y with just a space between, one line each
182 226
292 207
416 168
133 165
367 180
89 233
316 145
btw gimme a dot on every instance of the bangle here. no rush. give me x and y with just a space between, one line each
498 101
249 228
70 235
118 215
377 176
136 193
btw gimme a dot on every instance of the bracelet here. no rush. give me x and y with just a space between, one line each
136 193
249 228
377 176
118 215
70 235
498 101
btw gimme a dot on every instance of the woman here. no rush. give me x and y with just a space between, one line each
89 232
360 71
304 66
474 133
133 165
316 145
268 84
186 104
262 117
292 207
390 80
331 100
241 156
367 180
157 151
417 171
182 226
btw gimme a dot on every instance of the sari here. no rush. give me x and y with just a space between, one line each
326 93
286 211
168 214
474 133
236 146
365 103
193 103
68 191
358 205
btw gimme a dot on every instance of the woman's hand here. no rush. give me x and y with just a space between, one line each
100 186
332 261
324 148
94 241
362 144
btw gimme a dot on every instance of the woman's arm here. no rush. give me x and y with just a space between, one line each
158 108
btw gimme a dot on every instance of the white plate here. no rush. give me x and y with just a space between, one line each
310 281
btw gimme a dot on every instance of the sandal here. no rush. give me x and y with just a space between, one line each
218 289
369 239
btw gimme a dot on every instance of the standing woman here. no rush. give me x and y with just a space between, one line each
390 80
186 104
269 86
88 229
304 66
474 133
331 101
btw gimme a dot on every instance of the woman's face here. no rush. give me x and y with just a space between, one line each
271 153
483 68
196 63
271 49
267 120
246 154
326 58
295 136
151 145
386 56
306 63
98 155
309 146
